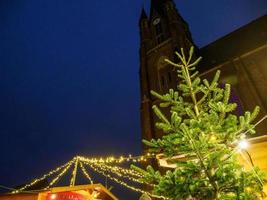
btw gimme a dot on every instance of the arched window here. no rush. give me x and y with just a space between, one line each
165 75
158 30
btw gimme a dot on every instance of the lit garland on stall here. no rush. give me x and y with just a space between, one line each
120 159
120 170
85 173
106 169
125 171
59 176
123 183
103 166
74 172
35 181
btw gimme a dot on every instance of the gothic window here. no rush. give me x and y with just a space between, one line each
158 30
164 74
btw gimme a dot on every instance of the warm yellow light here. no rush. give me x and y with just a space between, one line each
243 144
53 196
105 165
213 138
248 189
95 194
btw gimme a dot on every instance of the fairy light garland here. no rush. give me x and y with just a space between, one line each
120 170
120 159
35 181
74 172
105 169
125 171
85 173
122 182
110 170
59 176
108 160
102 166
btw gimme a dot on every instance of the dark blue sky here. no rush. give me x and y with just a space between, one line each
69 76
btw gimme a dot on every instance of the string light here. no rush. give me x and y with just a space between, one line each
85 173
120 159
106 169
35 181
59 176
100 165
122 182
74 172
121 170
126 171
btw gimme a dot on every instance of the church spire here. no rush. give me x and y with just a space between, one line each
163 33
143 14
143 23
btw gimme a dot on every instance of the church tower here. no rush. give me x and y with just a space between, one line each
162 33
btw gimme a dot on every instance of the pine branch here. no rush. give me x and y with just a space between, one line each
202 127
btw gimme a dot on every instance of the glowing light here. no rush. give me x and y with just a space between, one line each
105 166
74 172
85 173
122 173
243 144
59 175
92 166
95 194
53 196
35 181
213 138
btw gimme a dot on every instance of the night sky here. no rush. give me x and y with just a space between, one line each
69 76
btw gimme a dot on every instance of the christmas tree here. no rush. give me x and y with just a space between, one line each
203 128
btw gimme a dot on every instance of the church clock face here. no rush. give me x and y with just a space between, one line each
156 21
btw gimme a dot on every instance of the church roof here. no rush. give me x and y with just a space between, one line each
234 44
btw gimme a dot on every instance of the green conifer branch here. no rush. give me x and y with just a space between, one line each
203 128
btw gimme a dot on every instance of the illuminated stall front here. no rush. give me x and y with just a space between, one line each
81 192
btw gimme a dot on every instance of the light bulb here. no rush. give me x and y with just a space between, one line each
243 144
53 196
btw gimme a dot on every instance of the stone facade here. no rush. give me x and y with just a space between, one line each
241 56
244 65
161 34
